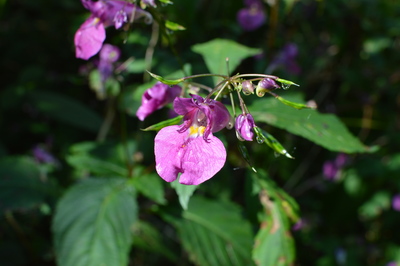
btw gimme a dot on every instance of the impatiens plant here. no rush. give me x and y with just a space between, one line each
91 34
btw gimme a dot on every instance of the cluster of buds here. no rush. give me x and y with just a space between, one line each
191 148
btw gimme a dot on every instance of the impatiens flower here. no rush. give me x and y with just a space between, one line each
91 34
252 16
109 54
244 127
157 97
192 149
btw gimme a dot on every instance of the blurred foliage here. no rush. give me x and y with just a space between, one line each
77 177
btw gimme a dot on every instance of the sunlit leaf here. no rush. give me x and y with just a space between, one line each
92 225
166 81
173 26
165 123
274 244
214 233
323 129
264 137
217 51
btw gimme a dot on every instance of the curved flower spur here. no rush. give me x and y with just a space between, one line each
191 148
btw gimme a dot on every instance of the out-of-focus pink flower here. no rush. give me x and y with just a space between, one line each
91 34
244 125
286 59
192 149
109 54
43 156
396 202
331 169
157 97
252 16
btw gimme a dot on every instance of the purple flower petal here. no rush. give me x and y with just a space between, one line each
157 97
251 17
198 160
89 38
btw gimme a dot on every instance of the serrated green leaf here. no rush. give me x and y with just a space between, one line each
173 26
165 123
166 81
92 223
184 192
323 129
67 110
215 53
214 233
20 184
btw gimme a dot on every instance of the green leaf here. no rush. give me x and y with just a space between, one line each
67 110
20 184
166 81
323 129
184 192
214 233
264 137
165 123
106 158
378 203
173 26
92 225
298 106
215 53
149 184
274 244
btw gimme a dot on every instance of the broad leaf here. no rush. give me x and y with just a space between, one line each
214 233
216 52
92 225
184 192
274 244
20 184
107 158
323 129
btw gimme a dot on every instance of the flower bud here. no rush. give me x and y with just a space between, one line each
244 127
266 85
247 87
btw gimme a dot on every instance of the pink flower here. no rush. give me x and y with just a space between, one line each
91 34
157 97
244 127
192 149
109 54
